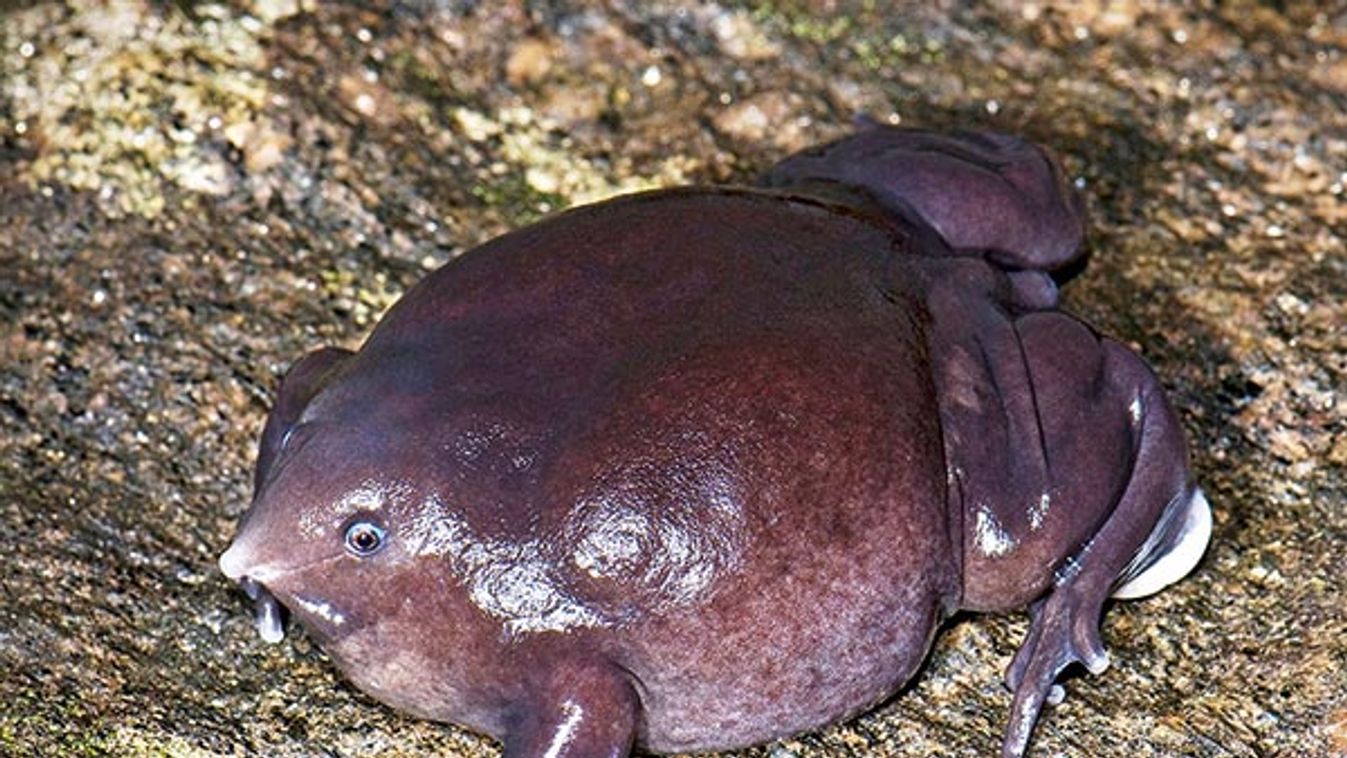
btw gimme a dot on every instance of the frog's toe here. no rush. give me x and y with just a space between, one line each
1064 631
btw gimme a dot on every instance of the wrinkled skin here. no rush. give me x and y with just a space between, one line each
696 469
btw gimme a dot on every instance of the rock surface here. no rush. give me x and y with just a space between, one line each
194 194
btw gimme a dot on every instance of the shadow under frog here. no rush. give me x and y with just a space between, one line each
700 468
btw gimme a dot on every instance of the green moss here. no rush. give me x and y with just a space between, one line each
421 77
30 725
516 199
866 31
823 31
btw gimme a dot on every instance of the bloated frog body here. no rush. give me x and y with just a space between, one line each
700 468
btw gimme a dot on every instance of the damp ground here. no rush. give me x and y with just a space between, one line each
192 195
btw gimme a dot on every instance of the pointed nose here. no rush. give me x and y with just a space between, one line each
235 562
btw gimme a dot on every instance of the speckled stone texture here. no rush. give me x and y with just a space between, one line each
192 195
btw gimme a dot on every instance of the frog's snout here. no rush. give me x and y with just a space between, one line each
268 615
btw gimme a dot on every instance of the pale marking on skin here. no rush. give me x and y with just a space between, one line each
651 550
566 731
1039 511
511 580
1069 569
369 495
613 543
518 581
992 539
322 609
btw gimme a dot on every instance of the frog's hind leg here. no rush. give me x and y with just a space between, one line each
1156 533
986 194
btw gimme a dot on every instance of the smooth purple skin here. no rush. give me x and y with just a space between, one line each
697 469
301 383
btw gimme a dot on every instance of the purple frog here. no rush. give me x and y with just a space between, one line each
700 468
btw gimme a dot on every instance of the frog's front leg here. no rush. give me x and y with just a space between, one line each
301 384
576 709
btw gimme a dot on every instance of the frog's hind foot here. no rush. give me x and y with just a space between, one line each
1154 536
1064 627
1064 630
984 193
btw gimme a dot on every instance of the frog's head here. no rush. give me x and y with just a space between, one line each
326 534
329 544
379 539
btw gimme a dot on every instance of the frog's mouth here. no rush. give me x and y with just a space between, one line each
279 593
238 564
268 613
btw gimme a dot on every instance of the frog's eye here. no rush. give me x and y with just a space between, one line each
364 538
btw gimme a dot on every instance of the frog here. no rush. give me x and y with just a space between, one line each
699 468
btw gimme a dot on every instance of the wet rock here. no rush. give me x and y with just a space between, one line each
529 62
771 117
195 194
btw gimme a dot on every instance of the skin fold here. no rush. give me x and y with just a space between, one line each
701 468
